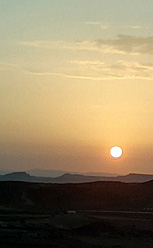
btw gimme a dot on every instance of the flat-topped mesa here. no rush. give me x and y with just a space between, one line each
16 176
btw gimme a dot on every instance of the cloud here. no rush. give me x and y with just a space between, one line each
105 77
99 24
136 27
100 71
96 60
123 44
88 63
133 27
130 44
85 45
69 45
120 69
104 27
93 23
93 70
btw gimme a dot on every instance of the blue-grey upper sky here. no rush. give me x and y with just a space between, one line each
74 20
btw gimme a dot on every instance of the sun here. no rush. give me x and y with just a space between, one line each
116 152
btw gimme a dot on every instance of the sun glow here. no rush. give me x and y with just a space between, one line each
116 152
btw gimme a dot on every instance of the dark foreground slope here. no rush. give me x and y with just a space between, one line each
86 196
34 215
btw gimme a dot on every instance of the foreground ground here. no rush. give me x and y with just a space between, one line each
81 230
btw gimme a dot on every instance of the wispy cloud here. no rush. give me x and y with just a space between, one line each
88 63
136 27
96 60
125 44
130 44
106 77
74 45
93 70
93 23
99 24
121 70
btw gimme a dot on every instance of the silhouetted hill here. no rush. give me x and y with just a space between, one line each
24 177
73 178
16 176
86 196
46 173
58 173
133 177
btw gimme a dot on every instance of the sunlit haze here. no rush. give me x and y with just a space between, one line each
76 78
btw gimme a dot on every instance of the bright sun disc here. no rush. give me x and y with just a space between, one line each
116 152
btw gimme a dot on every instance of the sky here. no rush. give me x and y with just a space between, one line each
76 78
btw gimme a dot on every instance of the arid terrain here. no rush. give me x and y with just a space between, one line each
88 215
83 230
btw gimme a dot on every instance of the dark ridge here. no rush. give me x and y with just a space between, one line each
74 178
81 196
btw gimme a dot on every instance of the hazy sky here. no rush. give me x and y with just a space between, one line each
76 79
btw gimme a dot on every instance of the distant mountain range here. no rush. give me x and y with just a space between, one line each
57 173
75 178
